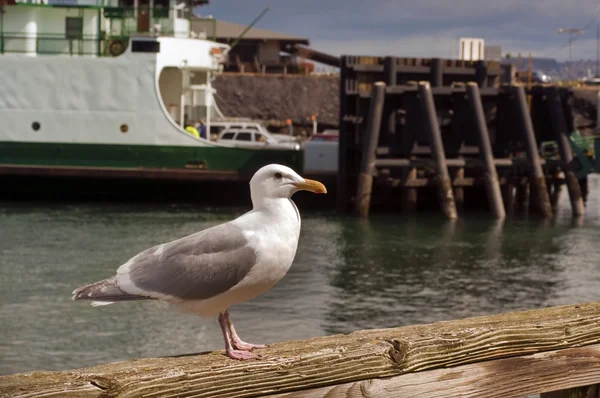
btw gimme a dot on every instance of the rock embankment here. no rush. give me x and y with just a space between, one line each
585 103
279 97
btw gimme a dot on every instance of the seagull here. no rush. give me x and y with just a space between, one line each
207 272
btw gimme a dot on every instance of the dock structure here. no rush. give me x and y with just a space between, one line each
457 127
553 351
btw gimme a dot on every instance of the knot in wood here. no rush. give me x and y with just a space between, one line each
398 351
103 383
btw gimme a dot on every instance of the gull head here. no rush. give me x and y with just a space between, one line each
276 181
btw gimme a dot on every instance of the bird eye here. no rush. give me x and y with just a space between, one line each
278 175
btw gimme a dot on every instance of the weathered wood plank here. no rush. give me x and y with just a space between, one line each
325 361
500 378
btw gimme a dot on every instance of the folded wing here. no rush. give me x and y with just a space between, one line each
195 267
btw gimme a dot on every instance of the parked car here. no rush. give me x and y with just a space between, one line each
285 137
251 138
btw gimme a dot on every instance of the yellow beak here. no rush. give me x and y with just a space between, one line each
311 185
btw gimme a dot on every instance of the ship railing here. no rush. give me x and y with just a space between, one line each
15 42
69 3
64 3
157 13
60 43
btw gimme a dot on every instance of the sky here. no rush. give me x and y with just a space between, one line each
423 28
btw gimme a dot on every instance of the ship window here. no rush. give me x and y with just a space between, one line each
35 126
228 136
74 27
244 136
145 46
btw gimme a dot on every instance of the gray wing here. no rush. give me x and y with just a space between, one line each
196 267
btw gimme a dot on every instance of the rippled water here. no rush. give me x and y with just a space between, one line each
349 274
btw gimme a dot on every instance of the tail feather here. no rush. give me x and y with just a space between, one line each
100 303
104 292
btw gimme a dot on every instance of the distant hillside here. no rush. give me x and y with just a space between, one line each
558 70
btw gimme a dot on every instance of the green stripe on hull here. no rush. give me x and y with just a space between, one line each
151 156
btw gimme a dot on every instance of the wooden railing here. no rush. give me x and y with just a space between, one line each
508 355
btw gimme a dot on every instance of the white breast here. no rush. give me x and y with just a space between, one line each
274 236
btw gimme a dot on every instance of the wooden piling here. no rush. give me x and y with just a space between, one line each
481 73
437 72
459 191
490 175
559 125
390 75
446 196
523 197
408 195
556 192
583 183
509 197
371 138
535 166
345 139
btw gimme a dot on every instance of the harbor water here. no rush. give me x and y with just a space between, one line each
349 274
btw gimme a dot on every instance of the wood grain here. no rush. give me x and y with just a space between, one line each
500 378
327 361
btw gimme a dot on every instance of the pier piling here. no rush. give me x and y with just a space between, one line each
559 126
509 197
437 72
446 196
460 133
370 140
523 197
408 194
538 182
490 175
390 73
481 73
556 192
458 175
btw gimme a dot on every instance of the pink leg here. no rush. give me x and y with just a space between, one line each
231 353
235 339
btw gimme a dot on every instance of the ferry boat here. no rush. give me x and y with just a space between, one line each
103 89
